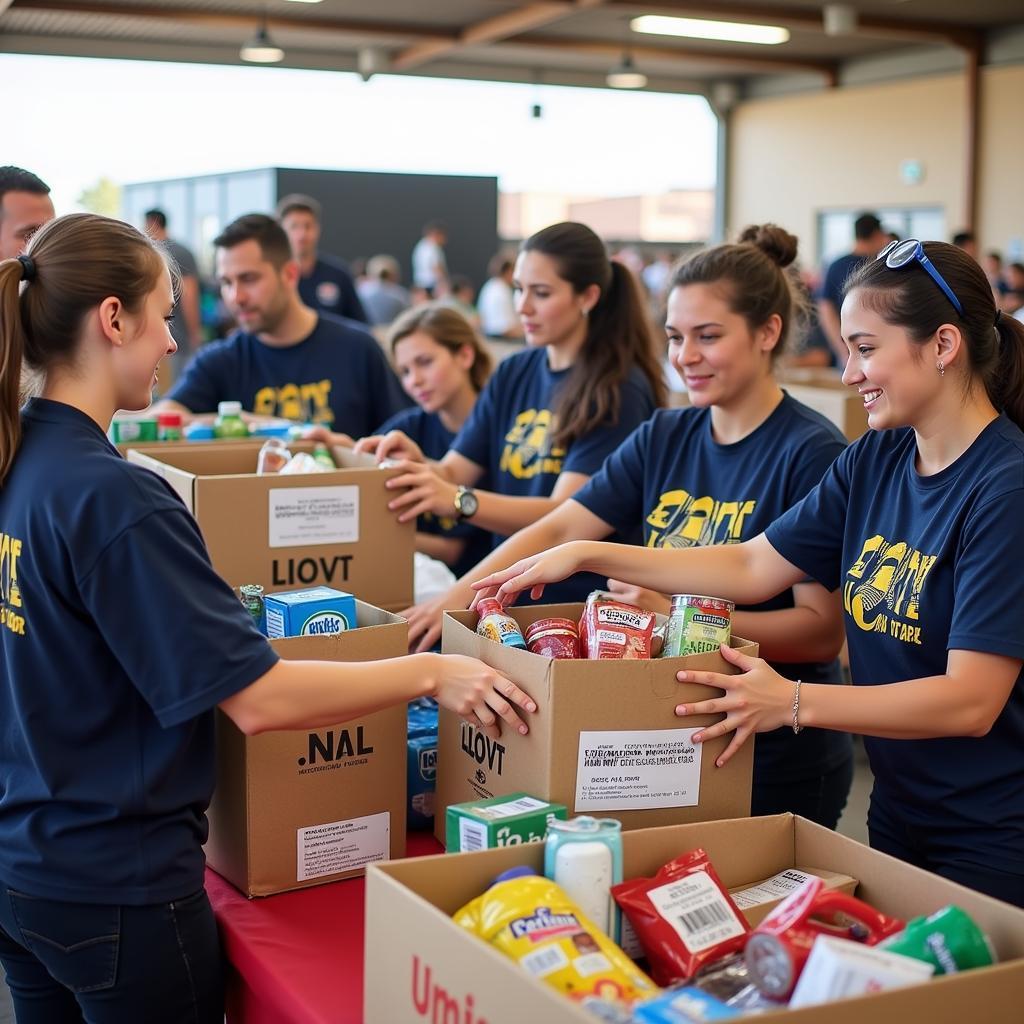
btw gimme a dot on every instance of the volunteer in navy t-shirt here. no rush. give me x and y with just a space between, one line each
337 376
434 439
927 565
688 490
509 434
329 288
118 640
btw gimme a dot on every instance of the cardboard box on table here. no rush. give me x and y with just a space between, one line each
302 807
824 391
599 728
420 966
292 532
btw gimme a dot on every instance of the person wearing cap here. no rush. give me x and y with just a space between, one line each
325 283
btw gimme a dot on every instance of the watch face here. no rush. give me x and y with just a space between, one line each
467 503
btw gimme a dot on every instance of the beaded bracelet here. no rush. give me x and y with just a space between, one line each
796 708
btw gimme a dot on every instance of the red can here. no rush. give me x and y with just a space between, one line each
779 946
553 638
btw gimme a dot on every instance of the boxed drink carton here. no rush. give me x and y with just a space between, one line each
421 966
288 532
502 821
605 739
318 611
301 807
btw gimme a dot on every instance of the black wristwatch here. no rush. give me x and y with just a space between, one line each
466 503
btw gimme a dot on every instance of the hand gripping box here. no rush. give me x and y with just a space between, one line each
421 967
605 739
288 532
301 807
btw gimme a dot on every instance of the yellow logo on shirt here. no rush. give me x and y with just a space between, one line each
305 403
882 591
680 520
528 451
10 593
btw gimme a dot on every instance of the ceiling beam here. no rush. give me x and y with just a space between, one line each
880 26
491 30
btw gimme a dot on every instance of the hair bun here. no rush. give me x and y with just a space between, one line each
775 242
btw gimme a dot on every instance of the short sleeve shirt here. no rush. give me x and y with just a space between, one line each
838 273
117 639
928 565
337 376
434 439
329 288
688 490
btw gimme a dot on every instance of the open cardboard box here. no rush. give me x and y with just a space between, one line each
302 807
605 739
292 532
825 392
420 966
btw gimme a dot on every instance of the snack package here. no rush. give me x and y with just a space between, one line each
684 917
612 629
531 919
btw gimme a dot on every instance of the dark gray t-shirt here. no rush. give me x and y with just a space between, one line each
187 267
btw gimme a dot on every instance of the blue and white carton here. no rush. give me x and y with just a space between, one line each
318 611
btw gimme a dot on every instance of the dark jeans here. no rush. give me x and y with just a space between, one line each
821 798
87 963
938 849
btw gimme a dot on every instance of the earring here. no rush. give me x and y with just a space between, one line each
940 368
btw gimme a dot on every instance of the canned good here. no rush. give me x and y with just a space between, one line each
697 625
133 428
169 426
553 638
251 595
949 940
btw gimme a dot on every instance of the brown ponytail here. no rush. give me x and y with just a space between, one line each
619 335
78 261
450 329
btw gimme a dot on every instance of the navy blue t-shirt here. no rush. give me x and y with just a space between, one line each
509 435
337 376
928 565
688 490
434 439
838 273
117 639
329 288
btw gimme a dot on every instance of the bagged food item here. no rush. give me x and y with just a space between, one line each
612 629
777 950
684 917
531 920
301 462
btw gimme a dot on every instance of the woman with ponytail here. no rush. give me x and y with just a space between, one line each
549 416
117 641
920 525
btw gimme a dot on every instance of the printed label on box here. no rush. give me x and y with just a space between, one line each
524 805
313 515
628 771
775 888
342 845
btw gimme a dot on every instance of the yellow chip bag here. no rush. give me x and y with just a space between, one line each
533 921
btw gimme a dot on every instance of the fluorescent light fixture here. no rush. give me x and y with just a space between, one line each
261 49
626 76
305 1
698 28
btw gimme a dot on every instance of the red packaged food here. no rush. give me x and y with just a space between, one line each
684 917
613 629
553 638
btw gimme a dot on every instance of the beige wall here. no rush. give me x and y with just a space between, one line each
793 156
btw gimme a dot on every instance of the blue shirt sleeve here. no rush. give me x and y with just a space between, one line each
988 586
615 493
205 380
177 629
474 441
810 534
587 453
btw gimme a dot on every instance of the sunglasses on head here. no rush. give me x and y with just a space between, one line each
901 254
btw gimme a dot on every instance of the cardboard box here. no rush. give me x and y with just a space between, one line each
835 401
302 807
595 742
420 966
758 899
290 532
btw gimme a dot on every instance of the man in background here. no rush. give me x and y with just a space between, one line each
325 283
429 266
868 241
382 296
25 206
186 325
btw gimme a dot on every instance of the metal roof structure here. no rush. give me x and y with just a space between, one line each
566 42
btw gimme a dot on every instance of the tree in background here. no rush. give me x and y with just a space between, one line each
104 197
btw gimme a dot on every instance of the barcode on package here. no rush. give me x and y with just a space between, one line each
544 961
774 888
524 805
472 836
697 910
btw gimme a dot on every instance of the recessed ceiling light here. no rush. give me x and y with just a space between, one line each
698 28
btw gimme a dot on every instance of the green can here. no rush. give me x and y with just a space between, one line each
949 940
134 428
697 625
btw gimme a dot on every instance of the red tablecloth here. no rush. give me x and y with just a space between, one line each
297 958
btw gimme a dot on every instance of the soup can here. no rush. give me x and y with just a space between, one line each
697 625
553 638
